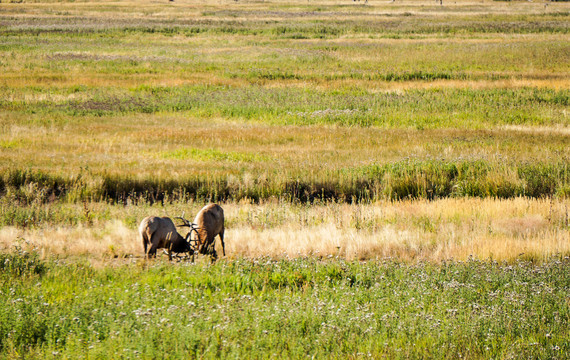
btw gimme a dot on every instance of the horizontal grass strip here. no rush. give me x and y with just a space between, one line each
434 108
405 179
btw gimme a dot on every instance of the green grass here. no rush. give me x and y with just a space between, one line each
211 155
424 109
273 309
180 130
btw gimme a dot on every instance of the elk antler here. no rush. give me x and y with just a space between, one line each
184 221
187 223
193 243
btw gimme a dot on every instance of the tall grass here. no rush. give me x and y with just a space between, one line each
403 180
298 101
434 231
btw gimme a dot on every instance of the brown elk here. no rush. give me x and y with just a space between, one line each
160 233
209 223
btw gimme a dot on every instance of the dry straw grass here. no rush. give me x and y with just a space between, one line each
409 231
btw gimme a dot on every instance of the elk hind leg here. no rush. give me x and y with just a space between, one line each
145 242
222 239
155 242
170 252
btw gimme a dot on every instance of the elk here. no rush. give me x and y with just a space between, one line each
209 223
160 233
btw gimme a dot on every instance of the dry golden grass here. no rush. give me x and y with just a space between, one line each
135 145
538 129
408 230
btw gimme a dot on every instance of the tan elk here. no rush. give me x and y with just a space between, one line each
209 223
160 233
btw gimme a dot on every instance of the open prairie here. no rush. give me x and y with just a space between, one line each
394 174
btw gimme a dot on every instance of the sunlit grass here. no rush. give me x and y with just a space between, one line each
287 100
211 155
286 91
408 230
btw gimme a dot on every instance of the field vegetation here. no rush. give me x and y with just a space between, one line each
503 230
289 308
395 178
407 99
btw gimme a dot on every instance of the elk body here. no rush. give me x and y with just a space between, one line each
210 223
160 233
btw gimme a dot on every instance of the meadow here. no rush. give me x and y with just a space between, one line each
294 308
395 178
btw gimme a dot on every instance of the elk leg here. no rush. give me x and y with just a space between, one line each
154 240
145 245
222 238
152 252
213 252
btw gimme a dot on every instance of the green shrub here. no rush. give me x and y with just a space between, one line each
20 262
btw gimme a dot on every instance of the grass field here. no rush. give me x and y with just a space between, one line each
395 178
199 98
290 308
